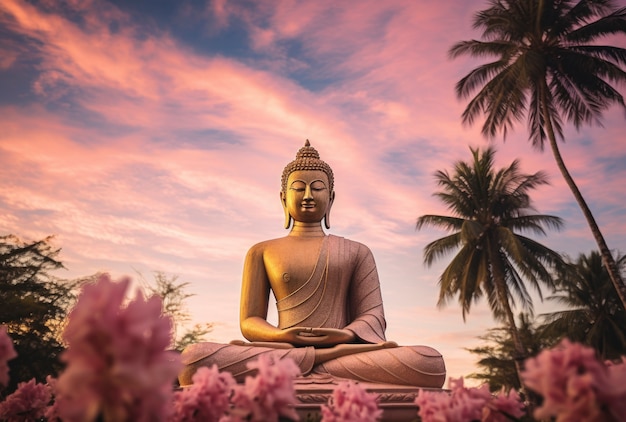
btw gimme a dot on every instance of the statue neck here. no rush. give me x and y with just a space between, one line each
307 229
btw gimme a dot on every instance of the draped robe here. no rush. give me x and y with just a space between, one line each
343 292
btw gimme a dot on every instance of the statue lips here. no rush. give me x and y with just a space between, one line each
308 205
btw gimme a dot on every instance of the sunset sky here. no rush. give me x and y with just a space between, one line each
151 136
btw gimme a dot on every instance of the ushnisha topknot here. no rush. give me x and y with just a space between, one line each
307 158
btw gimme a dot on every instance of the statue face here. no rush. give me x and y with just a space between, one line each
308 195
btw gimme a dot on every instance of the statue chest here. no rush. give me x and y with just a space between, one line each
287 276
294 265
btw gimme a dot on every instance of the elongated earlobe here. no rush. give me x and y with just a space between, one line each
283 200
287 219
327 214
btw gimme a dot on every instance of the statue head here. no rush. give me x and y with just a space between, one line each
307 159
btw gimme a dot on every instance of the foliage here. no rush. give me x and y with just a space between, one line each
549 66
118 369
34 305
490 209
497 357
594 315
173 294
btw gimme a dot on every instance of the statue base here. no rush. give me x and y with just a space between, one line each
396 401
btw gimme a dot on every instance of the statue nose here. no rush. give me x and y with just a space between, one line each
307 193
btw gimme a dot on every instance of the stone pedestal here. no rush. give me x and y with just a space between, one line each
396 401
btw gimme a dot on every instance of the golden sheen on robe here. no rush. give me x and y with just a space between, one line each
343 291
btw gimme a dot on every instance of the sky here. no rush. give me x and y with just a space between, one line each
151 135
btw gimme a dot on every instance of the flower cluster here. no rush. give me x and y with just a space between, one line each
7 352
207 399
117 364
575 385
269 395
28 403
468 404
118 369
351 403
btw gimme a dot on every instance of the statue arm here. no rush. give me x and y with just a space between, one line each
255 290
366 304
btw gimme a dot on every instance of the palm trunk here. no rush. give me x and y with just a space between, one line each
607 257
501 290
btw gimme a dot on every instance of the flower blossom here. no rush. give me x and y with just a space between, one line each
351 403
502 406
52 412
7 352
269 395
117 365
207 399
28 403
575 385
614 393
464 404
433 406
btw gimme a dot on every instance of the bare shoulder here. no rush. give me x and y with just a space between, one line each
259 249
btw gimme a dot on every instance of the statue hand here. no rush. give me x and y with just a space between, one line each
321 337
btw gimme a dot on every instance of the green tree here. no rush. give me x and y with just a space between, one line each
594 315
497 356
34 306
549 66
490 209
172 292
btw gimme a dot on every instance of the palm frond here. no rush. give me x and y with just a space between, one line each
490 207
613 23
441 247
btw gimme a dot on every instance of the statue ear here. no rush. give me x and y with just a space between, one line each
327 215
283 201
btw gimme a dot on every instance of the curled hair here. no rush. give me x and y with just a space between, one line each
307 158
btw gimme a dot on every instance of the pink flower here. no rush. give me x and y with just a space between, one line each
52 412
503 405
270 394
614 392
433 406
7 352
467 403
464 404
351 403
207 399
27 403
573 383
117 365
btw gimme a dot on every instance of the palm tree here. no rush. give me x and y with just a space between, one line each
489 210
549 67
496 364
594 315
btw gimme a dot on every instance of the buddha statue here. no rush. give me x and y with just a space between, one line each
330 311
